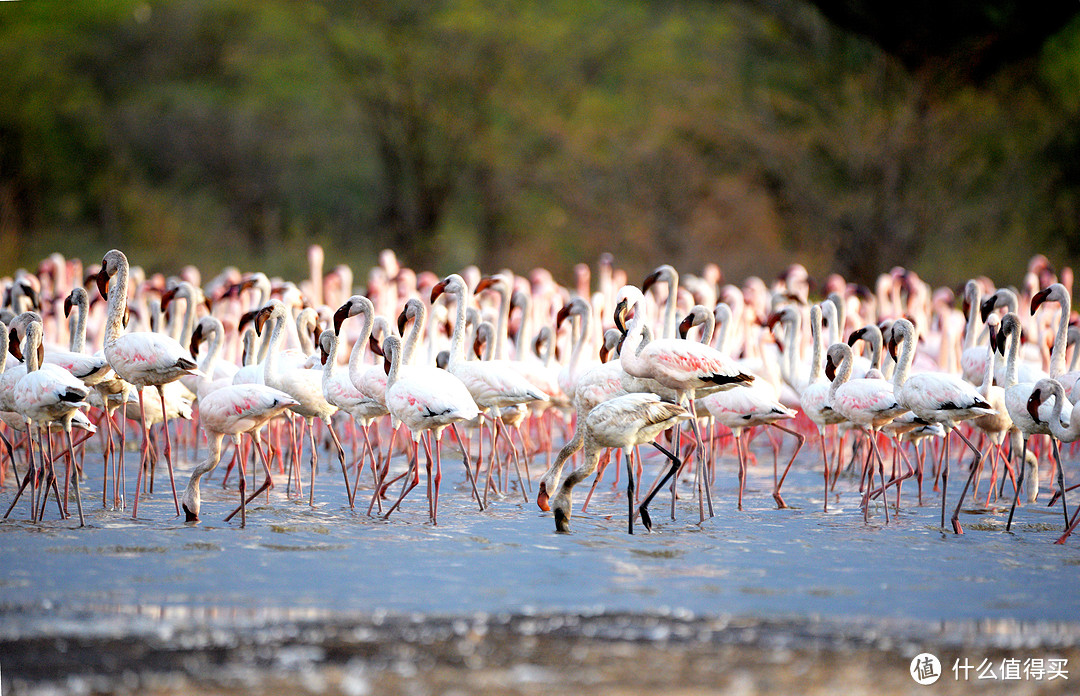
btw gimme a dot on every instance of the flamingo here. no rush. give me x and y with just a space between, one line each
675 363
1060 294
493 384
426 399
1017 397
814 398
233 410
303 385
937 397
48 395
364 378
867 403
141 358
1061 427
625 422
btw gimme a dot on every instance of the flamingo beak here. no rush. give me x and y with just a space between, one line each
341 315
830 369
13 344
485 283
102 280
402 319
561 316
373 344
196 339
604 352
649 281
1033 403
684 326
167 298
855 336
620 315
774 317
260 319
35 299
386 365
244 319
542 498
439 288
986 307
1038 299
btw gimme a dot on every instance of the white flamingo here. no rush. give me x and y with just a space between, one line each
140 358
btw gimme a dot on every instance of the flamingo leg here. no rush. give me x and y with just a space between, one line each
28 480
825 466
168 448
629 492
411 480
314 459
944 479
800 438
1019 483
974 467
341 457
143 458
673 470
468 469
268 481
1060 479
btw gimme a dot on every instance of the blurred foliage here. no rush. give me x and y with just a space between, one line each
520 134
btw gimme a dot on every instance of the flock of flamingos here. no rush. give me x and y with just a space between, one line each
891 383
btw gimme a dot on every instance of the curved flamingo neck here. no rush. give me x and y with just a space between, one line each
501 329
457 339
843 372
214 351
907 353
78 334
270 364
114 322
408 344
356 357
974 298
392 351
1061 337
1012 330
33 343
817 348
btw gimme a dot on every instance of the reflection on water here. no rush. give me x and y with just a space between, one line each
798 562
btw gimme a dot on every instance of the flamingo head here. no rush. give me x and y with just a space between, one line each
987 306
452 284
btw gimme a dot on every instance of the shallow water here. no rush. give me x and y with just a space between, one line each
293 562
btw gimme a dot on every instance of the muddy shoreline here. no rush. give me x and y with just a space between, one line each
176 650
